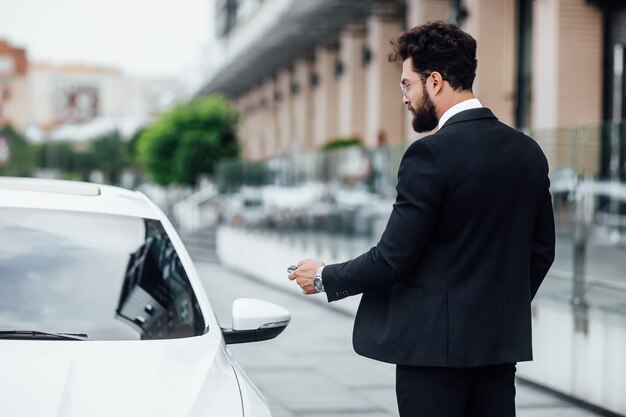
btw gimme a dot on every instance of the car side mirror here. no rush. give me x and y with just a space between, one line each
255 320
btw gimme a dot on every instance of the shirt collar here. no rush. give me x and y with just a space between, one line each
471 103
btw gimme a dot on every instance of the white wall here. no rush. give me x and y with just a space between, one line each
591 367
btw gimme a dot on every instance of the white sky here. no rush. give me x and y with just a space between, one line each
150 38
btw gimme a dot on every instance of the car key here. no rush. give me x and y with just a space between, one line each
292 268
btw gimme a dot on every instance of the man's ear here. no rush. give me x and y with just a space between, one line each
437 82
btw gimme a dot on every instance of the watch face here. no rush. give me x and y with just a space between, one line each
317 283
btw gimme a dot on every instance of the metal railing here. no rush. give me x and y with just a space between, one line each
348 194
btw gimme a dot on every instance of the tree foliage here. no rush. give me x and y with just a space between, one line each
60 156
108 153
338 143
188 141
20 157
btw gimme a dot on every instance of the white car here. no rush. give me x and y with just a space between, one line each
102 312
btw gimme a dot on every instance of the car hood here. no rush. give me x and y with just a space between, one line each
189 377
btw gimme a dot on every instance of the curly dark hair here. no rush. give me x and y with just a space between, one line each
441 47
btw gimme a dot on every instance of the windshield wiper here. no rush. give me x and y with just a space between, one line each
36 334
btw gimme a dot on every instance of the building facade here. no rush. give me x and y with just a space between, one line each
13 84
77 94
303 73
47 100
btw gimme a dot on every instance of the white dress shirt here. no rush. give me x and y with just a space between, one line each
471 103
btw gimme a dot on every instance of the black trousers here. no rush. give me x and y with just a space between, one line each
486 391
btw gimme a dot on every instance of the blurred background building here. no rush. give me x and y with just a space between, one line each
305 72
13 92
76 102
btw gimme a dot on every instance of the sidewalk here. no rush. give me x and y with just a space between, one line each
311 370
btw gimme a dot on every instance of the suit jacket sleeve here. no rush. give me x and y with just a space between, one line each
543 245
414 214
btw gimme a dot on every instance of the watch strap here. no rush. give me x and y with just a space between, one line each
318 279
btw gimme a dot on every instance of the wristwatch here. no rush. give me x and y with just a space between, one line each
317 281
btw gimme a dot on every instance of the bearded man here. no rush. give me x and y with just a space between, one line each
447 289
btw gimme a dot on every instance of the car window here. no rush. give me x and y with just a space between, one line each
108 276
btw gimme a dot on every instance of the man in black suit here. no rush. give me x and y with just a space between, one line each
447 289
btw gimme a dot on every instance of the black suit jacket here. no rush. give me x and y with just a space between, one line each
469 241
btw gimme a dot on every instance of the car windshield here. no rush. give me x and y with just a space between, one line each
110 277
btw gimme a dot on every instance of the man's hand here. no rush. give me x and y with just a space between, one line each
305 273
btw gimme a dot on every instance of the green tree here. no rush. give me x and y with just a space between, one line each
131 147
57 155
333 155
339 143
189 140
109 154
18 156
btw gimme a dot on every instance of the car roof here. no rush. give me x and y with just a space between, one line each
74 196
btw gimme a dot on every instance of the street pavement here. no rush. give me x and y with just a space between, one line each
310 370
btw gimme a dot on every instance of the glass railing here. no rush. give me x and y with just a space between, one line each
343 198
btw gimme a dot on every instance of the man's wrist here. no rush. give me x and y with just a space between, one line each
317 281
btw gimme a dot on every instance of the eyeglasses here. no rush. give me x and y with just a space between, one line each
405 87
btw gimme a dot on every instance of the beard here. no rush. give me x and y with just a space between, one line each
425 116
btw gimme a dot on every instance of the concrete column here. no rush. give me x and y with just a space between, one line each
283 101
325 96
567 63
17 106
254 141
302 102
251 140
492 24
351 83
243 107
384 112
268 125
421 11
239 103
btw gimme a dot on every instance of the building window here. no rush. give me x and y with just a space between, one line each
339 68
77 103
315 80
613 147
225 16
458 13
7 65
614 25
524 64
366 56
